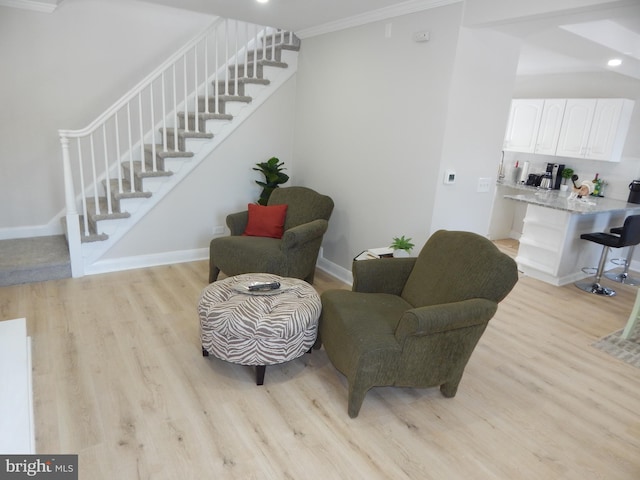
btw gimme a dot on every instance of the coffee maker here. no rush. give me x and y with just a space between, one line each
555 169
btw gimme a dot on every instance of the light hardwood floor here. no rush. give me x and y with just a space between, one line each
119 379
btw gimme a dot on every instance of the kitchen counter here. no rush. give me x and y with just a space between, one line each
558 200
550 246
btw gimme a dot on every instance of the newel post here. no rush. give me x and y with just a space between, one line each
72 217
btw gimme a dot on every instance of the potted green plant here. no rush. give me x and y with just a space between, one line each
273 177
401 246
566 175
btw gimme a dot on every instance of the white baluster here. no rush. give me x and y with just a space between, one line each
118 155
95 176
106 169
206 74
255 53
196 127
175 110
216 80
226 57
164 115
143 163
131 172
235 81
186 105
154 166
246 51
273 44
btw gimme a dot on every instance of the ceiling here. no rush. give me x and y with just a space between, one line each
576 42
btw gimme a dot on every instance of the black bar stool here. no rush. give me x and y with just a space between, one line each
624 276
630 235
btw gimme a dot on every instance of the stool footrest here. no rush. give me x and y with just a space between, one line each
595 288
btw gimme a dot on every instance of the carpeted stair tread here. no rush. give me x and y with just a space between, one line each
84 237
148 172
225 87
228 98
168 154
188 133
104 215
171 153
207 116
35 259
126 190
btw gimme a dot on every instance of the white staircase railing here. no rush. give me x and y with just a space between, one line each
148 116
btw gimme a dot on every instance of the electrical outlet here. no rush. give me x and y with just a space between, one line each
218 230
484 184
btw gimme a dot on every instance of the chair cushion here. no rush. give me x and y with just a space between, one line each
265 221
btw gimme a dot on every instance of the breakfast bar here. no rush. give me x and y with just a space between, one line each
550 246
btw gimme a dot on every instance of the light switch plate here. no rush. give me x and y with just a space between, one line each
484 184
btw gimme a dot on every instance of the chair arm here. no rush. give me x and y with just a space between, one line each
304 233
384 275
237 222
446 317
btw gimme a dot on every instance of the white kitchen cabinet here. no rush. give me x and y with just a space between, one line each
595 128
550 124
523 125
609 129
576 124
577 127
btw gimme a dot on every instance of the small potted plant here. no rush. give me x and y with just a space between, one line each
401 246
567 173
273 177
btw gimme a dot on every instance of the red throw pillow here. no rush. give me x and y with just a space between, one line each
266 221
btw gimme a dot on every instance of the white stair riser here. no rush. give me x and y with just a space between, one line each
216 126
234 108
132 204
152 184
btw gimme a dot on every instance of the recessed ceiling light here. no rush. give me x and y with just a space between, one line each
614 62
263 1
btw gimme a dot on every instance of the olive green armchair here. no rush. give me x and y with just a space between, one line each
294 255
414 322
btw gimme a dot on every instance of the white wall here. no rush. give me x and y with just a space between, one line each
61 70
370 122
480 97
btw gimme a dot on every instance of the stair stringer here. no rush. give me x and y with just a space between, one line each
93 252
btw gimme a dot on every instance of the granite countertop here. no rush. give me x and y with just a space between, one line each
559 200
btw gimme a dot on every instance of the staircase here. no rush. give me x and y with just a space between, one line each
128 159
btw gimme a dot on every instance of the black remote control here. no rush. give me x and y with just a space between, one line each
264 286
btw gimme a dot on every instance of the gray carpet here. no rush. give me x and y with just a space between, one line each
626 350
36 259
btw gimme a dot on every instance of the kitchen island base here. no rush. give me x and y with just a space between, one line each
550 246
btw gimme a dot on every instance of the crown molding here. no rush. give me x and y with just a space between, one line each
403 8
32 5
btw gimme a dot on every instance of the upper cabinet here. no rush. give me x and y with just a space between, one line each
576 124
524 122
579 128
609 129
550 123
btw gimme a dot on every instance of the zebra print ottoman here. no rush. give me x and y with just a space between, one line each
258 328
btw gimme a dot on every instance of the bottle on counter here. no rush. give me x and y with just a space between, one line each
597 186
516 173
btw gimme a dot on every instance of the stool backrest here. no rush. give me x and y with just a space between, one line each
631 231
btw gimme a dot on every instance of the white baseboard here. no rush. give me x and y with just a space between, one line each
144 261
54 227
334 269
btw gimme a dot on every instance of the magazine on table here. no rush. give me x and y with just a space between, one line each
373 253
